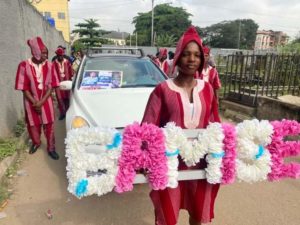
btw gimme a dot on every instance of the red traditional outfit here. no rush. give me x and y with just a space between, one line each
65 72
209 73
170 103
37 79
164 65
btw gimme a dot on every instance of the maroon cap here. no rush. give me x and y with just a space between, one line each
36 45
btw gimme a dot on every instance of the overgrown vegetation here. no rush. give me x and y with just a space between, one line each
7 147
4 194
7 182
291 48
19 128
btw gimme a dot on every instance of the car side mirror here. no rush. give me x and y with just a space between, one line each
65 85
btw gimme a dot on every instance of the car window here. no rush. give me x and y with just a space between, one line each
114 72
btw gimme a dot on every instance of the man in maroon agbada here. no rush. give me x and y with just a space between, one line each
36 78
191 104
64 71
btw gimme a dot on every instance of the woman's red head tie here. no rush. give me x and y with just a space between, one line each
189 36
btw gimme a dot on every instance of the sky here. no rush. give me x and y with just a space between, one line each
276 15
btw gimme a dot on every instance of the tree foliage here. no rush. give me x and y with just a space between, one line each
291 48
297 38
87 28
89 35
169 21
230 34
165 40
78 45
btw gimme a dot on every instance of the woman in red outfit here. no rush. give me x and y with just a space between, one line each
190 103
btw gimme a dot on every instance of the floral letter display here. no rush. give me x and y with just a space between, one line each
229 159
143 148
92 172
101 160
280 149
254 160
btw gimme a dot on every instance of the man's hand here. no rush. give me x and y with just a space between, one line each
37 105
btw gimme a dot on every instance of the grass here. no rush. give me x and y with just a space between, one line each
19 128
6 183
7 147
4 194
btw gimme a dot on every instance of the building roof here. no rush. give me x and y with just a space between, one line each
116 35
271 32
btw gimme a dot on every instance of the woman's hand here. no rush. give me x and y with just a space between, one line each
143 171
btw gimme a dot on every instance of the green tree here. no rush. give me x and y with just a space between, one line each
291 48
77 45
89 35
297 38
165 40
168 20
230 34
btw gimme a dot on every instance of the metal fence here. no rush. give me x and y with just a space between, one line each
245 77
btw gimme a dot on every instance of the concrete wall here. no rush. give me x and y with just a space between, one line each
273 109
267 109
19 21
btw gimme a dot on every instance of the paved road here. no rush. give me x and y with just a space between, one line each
45 187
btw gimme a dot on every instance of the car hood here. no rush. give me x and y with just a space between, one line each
113 107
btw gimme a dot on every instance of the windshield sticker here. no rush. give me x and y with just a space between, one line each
101 79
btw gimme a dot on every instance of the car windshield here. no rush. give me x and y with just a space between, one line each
117 72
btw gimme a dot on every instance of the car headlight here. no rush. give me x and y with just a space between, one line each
79 122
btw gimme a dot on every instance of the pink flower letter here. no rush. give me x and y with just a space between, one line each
143 148
280 149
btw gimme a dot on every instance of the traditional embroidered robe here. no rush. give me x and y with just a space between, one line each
164 66
64 72
29 78
210 74
169 102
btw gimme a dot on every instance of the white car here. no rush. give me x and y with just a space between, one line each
111 88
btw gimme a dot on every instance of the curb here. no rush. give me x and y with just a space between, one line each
8 161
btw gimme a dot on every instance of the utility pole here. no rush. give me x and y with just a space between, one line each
152 21
136 39
239 35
